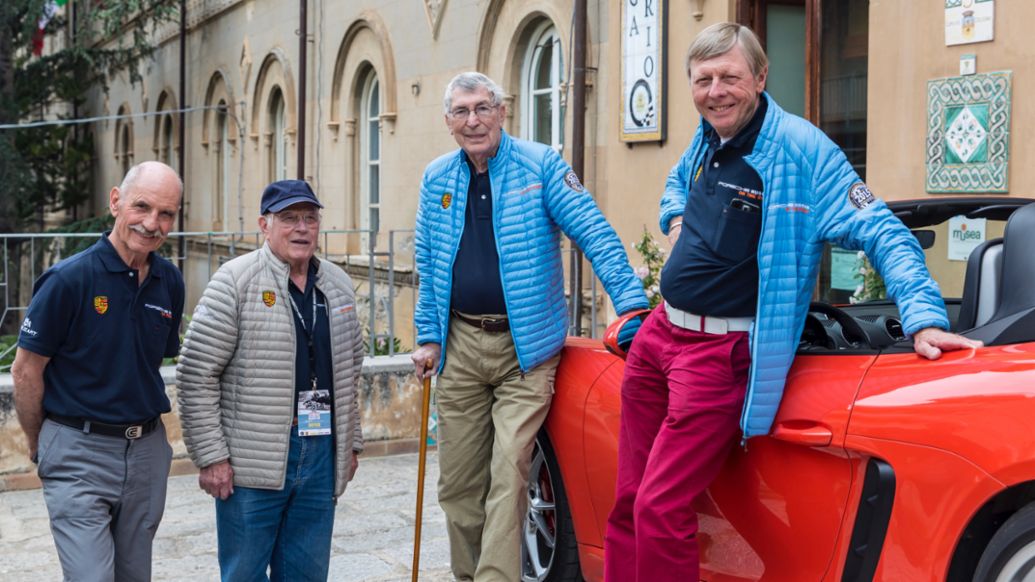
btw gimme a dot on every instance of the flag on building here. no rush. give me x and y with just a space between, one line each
48 13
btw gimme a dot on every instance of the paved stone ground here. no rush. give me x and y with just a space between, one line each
373 530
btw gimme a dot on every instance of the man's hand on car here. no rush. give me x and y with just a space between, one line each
930 342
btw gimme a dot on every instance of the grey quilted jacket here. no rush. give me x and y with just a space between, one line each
236 372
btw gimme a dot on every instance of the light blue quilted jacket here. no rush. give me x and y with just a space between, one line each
535 196
807 181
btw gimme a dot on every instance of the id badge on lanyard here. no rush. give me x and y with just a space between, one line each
314 405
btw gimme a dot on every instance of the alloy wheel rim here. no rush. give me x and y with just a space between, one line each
539 533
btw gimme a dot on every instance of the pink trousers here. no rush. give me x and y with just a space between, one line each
682 395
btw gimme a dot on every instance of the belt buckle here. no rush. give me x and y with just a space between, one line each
134 432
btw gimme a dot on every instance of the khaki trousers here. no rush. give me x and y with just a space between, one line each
488 416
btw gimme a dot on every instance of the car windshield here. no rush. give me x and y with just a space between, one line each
848 278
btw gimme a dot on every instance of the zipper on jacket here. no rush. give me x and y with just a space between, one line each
452 260
752 335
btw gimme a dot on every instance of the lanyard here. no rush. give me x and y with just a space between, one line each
309 333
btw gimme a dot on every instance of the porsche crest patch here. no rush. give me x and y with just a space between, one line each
100 304
447 199
860 196
573 182
269 298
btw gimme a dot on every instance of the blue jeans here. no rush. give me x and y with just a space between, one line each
287 531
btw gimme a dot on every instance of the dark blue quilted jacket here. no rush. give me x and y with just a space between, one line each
535 197
807 181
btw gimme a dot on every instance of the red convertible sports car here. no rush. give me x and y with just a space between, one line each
880 465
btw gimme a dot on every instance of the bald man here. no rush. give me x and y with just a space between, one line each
87 388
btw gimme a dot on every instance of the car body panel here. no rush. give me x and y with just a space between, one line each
952 440
766 472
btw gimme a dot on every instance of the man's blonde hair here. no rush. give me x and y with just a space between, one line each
719 39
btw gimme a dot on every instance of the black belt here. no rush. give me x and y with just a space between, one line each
490 324
127 431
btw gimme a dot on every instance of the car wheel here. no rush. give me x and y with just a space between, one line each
1010 556
549 552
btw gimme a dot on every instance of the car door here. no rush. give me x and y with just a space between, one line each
777 509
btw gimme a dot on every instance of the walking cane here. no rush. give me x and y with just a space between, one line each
425 405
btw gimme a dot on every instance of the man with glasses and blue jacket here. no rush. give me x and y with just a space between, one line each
491 315
748 208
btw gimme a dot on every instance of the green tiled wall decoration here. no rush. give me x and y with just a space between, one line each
968 133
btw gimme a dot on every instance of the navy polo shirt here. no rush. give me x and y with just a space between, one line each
106 335
477 287
713 269
312 345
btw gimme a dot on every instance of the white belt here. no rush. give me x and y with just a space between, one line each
706 323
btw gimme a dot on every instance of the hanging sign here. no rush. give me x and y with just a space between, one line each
643 70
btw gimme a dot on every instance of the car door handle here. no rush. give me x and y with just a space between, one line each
806 433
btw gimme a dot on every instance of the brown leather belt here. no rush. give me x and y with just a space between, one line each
489 324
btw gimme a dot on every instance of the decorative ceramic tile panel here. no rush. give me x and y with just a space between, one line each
968 133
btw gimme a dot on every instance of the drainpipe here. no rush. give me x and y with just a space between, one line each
578 139
303 33
181 148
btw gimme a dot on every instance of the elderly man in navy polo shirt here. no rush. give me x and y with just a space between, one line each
87 389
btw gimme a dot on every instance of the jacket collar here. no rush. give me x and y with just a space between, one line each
502 153
280 268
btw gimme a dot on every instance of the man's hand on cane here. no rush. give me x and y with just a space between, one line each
426 360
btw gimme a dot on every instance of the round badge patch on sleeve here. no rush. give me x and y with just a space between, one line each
573 182
860 196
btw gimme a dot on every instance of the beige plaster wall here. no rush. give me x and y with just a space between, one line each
907 48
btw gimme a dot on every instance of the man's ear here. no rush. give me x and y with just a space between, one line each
113 201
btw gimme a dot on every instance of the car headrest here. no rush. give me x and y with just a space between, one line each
1017 288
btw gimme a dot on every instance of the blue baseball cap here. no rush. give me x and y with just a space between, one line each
279 195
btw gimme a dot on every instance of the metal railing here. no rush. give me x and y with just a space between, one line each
385 276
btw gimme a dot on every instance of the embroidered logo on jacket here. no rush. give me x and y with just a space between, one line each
447 199
860 196
573 182
269 298
345 308
100 304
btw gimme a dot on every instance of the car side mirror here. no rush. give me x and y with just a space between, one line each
925 238
611 333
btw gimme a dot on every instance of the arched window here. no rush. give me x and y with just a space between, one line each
222 161
166 149
542 84
278 137
370 153
124 140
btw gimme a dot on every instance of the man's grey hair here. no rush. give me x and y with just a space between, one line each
138 170
718 39
470 82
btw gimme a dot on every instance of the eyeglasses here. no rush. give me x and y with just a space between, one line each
484 112
291 219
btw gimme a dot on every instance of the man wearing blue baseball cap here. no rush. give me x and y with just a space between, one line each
268 399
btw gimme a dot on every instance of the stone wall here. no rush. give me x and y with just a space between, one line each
390 399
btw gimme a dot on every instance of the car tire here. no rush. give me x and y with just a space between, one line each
1010 554
549 551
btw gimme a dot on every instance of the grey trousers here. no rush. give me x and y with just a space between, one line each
105 496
